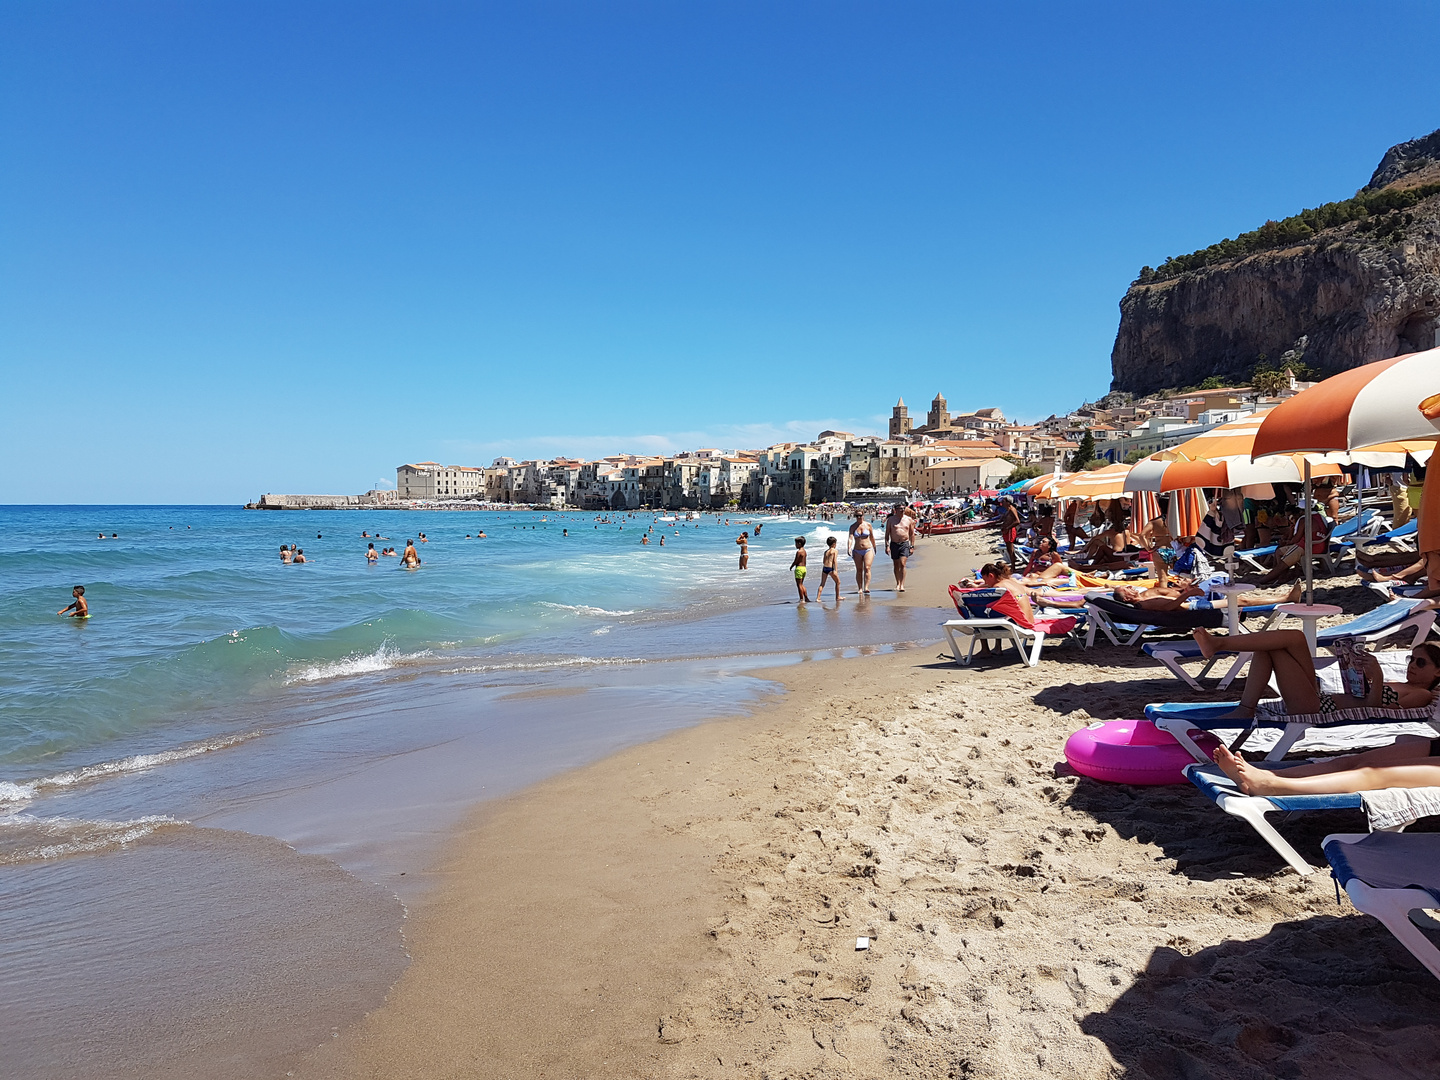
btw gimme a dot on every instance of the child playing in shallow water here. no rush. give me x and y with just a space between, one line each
829 570
79 609
797 564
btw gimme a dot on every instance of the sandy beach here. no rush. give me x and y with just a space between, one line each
690 907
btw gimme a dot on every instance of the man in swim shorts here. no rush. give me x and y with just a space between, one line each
372 555
899 539
797 564
79 609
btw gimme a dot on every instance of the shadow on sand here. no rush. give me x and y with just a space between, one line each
1327 996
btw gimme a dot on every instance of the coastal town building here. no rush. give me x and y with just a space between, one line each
951 453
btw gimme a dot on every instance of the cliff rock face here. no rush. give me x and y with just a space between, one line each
1344 297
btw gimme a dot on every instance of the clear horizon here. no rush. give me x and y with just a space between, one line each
262 248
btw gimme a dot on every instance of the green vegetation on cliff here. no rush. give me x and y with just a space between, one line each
1379 214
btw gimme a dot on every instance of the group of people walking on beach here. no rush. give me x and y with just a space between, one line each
900 536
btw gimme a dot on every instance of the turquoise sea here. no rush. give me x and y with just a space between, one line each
227 730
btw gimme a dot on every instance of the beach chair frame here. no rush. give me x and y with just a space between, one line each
1391 906
1028 643
1254 809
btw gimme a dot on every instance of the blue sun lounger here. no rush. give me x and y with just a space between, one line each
1252 809
1389 876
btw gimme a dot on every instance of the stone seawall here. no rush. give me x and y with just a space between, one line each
368 501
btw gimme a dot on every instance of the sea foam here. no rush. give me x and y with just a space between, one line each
24 838
26 791
586 609
382 659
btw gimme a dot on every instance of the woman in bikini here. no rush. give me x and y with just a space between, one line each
1046 564
861 547
1411 761
1286 655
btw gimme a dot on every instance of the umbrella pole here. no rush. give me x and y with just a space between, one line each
1309 559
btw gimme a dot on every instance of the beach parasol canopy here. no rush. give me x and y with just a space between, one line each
1043 487
1360 408
1106 483
1218 458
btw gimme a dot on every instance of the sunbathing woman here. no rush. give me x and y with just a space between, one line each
1411 761
1046 564
1286 654
997 575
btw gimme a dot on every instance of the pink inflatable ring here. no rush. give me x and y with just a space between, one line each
1132 752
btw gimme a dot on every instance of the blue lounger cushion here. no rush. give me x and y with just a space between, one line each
1387 860
1213 784
1392 613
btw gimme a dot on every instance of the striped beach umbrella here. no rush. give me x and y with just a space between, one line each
1360 408
1106 483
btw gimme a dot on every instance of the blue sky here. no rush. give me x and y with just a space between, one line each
277 247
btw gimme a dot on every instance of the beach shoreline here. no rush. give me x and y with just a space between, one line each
690 906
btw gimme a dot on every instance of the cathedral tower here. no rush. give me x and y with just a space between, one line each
900 422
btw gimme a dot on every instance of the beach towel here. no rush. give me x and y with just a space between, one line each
1008 606
1391 808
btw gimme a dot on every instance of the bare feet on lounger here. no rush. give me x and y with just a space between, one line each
1208 642
1296 591
1250 780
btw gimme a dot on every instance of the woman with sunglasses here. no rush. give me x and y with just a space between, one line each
1411 761
1286 655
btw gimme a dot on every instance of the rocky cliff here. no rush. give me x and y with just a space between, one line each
1332 295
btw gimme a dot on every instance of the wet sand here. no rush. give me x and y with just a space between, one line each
689 907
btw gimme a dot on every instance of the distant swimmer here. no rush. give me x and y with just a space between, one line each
372 555
79 609
644 539
564 532
424 539
481 535
299 556
364 534
100 537
318 536
757 530
411 559
284 553
662 539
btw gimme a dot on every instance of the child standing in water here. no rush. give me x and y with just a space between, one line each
797 564
79 609
829 570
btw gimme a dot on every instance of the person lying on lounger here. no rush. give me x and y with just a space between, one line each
1187 597
1403 566
1286 655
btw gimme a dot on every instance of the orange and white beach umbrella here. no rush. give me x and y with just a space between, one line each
1043 487
1221 458
1106 483
1358 409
